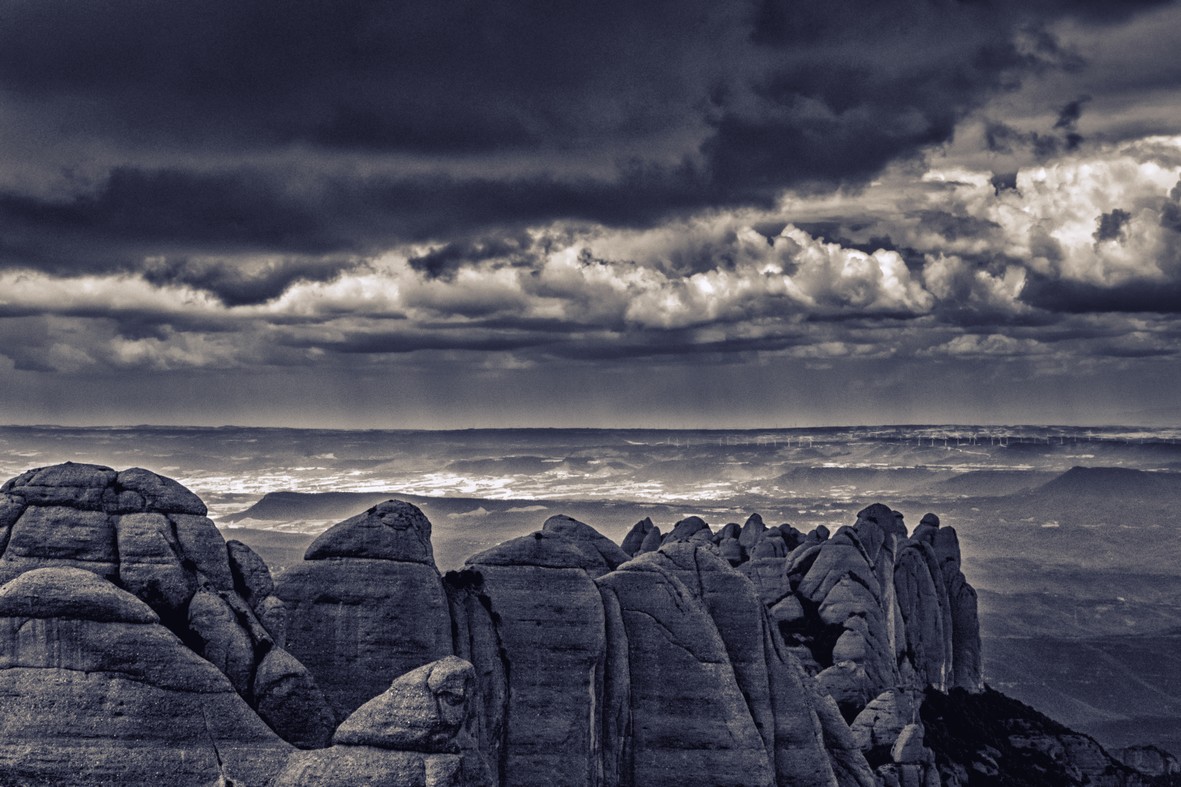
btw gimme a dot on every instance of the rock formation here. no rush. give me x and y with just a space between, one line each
149 536
366 604
93 689
136 646
532 623
412 735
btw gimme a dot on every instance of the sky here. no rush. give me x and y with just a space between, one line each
449 214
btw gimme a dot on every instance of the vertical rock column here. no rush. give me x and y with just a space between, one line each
535 631
966 672
366 604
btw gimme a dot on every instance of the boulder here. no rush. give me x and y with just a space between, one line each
877 727
393 530
731 551
651 542
94 690
752 533
61 535
635 537
571 528
252 578
411 735
288 698
687 528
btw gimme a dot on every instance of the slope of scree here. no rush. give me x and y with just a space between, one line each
138 647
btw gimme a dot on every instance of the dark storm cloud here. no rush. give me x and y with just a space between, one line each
1111 225
285 128
1004 181
137 211
241 283
1139 296
444 261
1062 137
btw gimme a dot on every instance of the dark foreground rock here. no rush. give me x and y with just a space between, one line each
415 734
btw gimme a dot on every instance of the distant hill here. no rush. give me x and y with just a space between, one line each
992 483
298 506
1108 482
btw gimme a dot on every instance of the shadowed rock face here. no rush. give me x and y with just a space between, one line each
684 697
93 690
367 604
149 536
771 681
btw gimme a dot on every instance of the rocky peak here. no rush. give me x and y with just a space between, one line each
148 535
393 530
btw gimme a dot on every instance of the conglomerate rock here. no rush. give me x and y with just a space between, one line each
366 604
94 690
537 637
149 536
137 646
412 735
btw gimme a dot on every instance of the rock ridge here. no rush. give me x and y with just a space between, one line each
137 646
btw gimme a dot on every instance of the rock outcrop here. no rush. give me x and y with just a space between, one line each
149 536
136 646
366 604
94 690
595 669
412 735
532 623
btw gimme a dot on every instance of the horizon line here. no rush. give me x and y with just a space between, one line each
517 428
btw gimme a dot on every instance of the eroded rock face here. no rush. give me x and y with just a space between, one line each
635 537
537 632
1150 760
412 735
966 663
770 680
926 613
148 535
94 690
366 604
684 697
843 588
579 663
